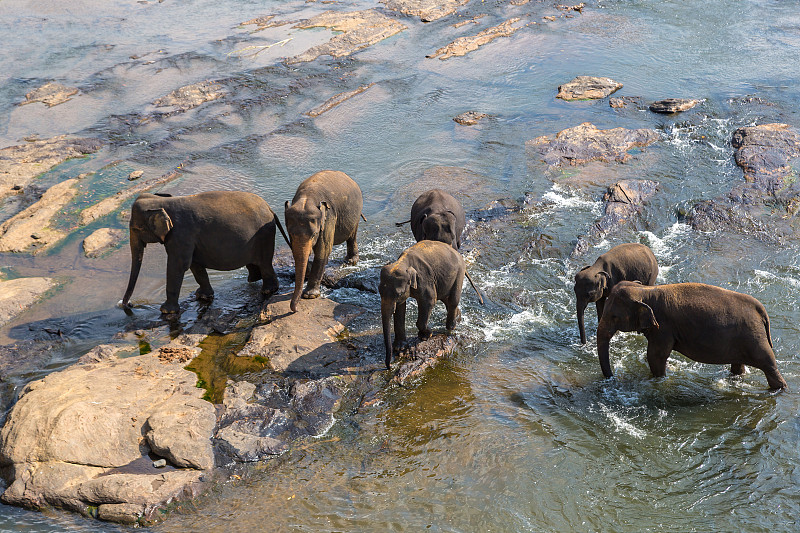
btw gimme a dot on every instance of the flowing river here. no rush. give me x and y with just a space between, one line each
517 431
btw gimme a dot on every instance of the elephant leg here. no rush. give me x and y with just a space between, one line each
315 277
270 284
453 316
176 268
352 249
399 326
253 273
763 358
425 306
737 369
204 292
657 355
600 305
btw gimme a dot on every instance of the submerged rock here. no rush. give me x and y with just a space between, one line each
101 241
588 88
16 295
50 94
673 105
584 143
626 101
360 29
426 10
191 96
623 200
470 118
336 100
463 45
20 164
78 439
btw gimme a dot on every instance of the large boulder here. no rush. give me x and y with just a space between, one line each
585 142
85 438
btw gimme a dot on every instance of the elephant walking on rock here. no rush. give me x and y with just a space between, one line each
705 323
324 212
626 262
222 230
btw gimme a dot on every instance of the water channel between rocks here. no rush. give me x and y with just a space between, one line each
517 430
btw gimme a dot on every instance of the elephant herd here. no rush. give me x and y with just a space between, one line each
227 230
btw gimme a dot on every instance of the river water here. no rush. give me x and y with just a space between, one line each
517 431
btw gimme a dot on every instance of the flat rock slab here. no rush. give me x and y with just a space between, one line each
191 96
673 105
470 118
426 10
50 94
588 88
16 295
360 29
421 355
763 152
463 45
584 143
29 230
20 164
306 341
72 438
102 240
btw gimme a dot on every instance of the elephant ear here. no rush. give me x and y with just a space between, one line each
412 275
645 317
324 207
160 223
605 279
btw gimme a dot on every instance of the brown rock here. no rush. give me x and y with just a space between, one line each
473 20
101 241
191 96
135 175
625 101
50 94
584 143
470 118
336 100
588 88
673 105
16 295
763 152
426 10
360 30
464 45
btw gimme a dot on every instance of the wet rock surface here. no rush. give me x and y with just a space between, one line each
336 100
426 10
588 88
16 295
619 102
102 240
190 96
673 105
623 201
584 143
50 94
464 45
470 118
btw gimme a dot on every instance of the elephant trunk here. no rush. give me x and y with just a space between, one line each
579 309
387 313
603 341
301 250
137 255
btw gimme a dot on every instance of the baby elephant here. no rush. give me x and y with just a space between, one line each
427 271
631 262
223 230
437 216
705 323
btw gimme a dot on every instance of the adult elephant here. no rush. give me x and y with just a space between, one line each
593 283
324 212
221 230
705 323
437 216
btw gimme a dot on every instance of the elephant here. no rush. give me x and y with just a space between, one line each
705 323
437 216
426 271
629 262
222 230
324 212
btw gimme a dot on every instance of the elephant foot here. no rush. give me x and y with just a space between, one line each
204 295
424 334
456 320
397 346
351 261
310 294
269 291
168 308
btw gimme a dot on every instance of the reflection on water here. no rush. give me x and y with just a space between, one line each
517 432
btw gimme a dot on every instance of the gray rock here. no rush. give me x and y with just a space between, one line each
588 88
102 240
673 105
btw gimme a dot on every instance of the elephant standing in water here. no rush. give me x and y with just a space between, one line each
324 212
427 271
437 216
705 323
222 230
626 262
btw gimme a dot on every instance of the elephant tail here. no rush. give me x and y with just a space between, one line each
765 316
280 227
363 217
480 298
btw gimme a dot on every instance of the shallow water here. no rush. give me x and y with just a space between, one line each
517 431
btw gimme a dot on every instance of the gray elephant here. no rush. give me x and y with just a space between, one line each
427 271
437 216
626 262
221 230
324 212
705 323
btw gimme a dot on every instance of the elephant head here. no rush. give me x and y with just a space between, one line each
397 281
623 312
590 286
440 227
149 223
305 223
